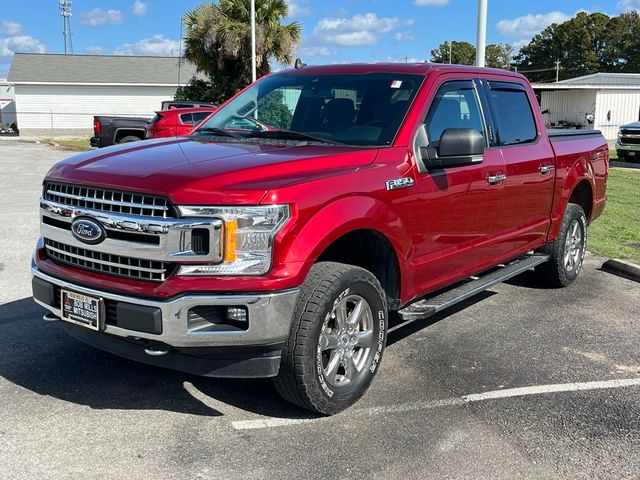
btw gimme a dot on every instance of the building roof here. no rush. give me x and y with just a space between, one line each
606 81
47 68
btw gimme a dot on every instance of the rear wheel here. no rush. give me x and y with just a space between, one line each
337 339
129 139
567 252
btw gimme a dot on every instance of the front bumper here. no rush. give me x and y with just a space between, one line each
269 320
627 147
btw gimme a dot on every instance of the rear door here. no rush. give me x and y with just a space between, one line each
529 163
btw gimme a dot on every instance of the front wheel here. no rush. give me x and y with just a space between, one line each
567 252
337 338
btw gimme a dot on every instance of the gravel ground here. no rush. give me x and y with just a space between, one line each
69 411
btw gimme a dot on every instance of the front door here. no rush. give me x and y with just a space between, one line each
458 213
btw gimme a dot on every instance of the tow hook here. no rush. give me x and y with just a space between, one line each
155 351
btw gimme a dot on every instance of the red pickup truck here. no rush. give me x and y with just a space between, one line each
244 251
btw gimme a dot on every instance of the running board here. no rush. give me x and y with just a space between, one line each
425 308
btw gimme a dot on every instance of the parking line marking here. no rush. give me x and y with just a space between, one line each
474 397
560 387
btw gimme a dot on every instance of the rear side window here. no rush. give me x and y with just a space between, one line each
186 118
513 115
199 116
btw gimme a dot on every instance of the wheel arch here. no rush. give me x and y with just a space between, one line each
351 230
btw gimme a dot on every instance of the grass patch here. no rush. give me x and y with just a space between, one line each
79 145
616 234
75 145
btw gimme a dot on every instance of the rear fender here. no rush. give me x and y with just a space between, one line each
581 169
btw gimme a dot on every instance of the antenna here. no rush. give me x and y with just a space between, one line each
65 13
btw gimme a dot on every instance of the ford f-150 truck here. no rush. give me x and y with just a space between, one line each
247 252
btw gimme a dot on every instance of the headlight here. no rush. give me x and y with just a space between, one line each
248 238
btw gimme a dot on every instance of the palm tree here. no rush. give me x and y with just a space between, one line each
218 41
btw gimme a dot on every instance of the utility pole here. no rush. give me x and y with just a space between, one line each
450 48
557 70
481 39
253 40
65 13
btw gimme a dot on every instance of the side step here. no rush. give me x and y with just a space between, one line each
425 308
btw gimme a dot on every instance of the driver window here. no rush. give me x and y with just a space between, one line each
454 107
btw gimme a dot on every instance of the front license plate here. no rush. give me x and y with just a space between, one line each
81 309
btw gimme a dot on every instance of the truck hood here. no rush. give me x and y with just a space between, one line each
194 171
632 125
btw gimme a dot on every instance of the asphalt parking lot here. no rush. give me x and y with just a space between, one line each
520 382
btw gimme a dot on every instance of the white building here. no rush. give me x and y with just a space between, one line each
613 99
7 104
59 94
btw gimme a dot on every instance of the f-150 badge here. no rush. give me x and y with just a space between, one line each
405 182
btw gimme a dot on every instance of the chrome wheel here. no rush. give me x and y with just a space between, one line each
573 246
346 340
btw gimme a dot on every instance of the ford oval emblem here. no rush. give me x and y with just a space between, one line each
88 231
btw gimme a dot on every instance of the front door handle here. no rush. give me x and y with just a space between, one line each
544 169
495 179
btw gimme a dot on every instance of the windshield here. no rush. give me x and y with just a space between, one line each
355 109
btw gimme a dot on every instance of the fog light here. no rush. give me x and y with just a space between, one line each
237 314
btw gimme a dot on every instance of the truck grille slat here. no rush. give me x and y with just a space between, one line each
108 200
108 263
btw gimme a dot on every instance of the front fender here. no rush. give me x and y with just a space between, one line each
340 217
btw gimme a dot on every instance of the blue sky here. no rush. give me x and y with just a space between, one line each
333 30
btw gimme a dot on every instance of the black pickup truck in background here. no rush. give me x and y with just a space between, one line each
109 131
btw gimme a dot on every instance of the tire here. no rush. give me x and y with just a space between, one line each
322 368
567 252
129 139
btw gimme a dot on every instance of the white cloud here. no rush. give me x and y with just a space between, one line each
403 37
315 51
360 29
10 28
20 43
96 50
157 45
298 8
430 3
99 17
628 5
139 8
529 25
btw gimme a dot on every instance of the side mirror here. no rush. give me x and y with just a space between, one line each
457 147
461 142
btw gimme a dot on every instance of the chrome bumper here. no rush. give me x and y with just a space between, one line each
627 147
270 315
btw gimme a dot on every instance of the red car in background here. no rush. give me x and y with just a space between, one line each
176 122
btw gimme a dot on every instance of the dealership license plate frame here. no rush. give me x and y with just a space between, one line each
79 319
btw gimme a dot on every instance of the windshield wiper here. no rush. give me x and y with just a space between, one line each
217 131
291 135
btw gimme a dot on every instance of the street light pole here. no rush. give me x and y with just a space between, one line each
481 38
253 40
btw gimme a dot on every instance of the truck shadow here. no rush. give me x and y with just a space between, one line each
44 359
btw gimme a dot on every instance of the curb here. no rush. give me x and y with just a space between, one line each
622 268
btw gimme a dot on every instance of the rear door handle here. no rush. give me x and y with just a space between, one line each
495 179
544 169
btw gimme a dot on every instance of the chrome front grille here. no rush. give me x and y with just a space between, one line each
108 263
107 200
